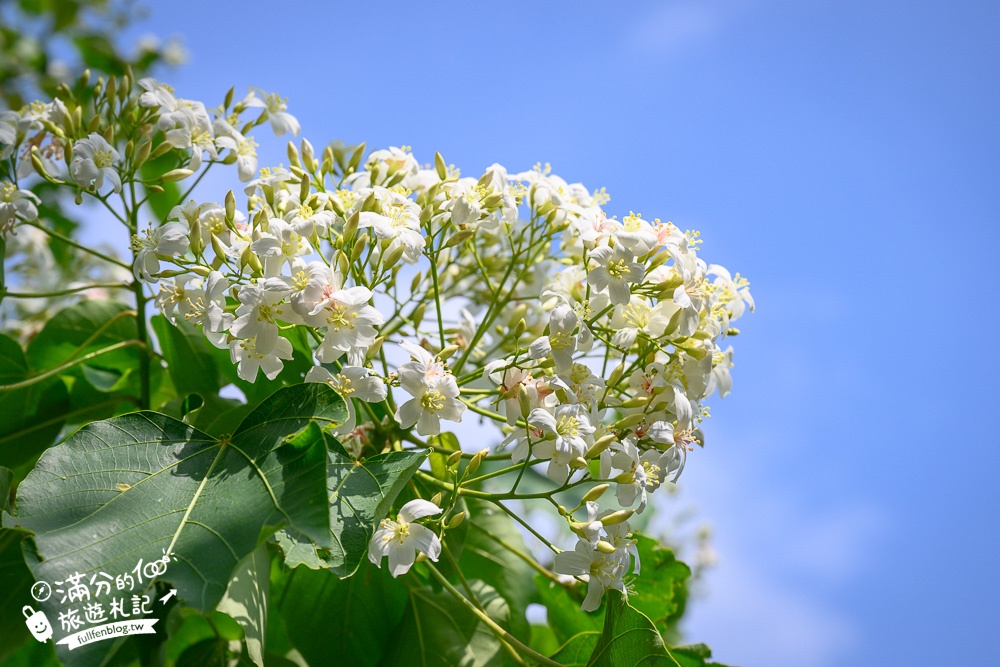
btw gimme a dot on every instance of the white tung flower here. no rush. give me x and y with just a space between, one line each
245 149
616 268
16 204
276 106
350 322
350 382
94 159
561 343
569 435
401 539
434 390
250 359
261 306
603 571
169 240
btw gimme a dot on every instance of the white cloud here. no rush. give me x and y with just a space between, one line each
677 25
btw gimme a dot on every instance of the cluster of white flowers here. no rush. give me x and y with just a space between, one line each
590 341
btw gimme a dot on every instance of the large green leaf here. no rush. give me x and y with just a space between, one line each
144 484
577 651
6 482
628 638
438 630
15 587
246 600
86 327
693 655
30 417
661 588
188 355
361 493
361 611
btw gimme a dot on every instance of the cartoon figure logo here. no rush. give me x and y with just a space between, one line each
38 623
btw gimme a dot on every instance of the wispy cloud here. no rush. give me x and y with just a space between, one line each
683 23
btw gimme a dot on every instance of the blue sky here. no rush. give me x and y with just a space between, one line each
842 155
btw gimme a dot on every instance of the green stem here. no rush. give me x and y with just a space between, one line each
140 307
34 379
71 290
493 625
534 564
67 240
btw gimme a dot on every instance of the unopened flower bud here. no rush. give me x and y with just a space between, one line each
356 157
393 257
617 517
176 175
293 155
519 328
230 206
458 237
454 459
616 374
351 226
447 352
142 153
595 493
630 421
36 162
523 400
476 460
578 462
636 402
456 520
374 349
600 445
436 499
359 247
308 157
440 166
605 547
162 149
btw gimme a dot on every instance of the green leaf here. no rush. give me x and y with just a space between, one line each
88 326
15 592
483 557
693 655
563 610
32 416
577 651
440 631
661 588
3 258
6 482
363 610
186 351
144 484
361 492
97 52
161 203
246 600
439 461
628 638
